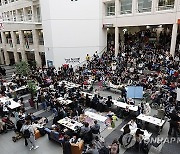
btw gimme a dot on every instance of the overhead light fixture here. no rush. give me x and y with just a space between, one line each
147 27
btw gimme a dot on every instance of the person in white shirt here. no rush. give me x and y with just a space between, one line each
147 109
132 124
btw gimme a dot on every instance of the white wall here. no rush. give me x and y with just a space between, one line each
72 29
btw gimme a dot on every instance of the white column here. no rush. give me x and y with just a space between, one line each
153 6
116 40
34 13
1 57
173 39
117 8
14 42
36 48
22 44
25 14
176 5
134 7
6 55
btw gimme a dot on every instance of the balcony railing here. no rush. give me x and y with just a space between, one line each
126 11
141 10
22 18
165 7
110 14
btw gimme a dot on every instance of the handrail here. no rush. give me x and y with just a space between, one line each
84 62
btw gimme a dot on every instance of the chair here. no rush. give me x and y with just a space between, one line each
77 148
37 134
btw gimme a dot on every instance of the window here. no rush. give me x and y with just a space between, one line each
165 4
110 9
29 14
14 15
144 6
126 6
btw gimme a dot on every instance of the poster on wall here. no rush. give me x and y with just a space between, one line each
134 92
178 94
72 60
49 63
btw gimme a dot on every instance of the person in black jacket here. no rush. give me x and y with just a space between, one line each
66 145
173 123
124 94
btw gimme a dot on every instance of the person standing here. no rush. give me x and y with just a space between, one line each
29 136
66 145
124 93
173 123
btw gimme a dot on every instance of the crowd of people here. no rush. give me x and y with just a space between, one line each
153 68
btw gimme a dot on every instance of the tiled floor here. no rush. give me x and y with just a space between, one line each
7 146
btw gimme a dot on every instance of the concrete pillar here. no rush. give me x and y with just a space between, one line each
1 57
36 48
34 13
134 7
154 6
25 14
173 39
117 7
22 44
116 40
14 42
6 55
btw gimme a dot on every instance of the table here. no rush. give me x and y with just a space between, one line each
96 116
124 105
86 93
69 85
70 123
64 101
152 120
12 105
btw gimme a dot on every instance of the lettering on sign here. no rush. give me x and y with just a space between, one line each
72 60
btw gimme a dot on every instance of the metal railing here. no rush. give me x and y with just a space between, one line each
165 7
141 10
85 62
22 18
126 11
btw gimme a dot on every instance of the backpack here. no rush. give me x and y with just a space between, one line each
27 133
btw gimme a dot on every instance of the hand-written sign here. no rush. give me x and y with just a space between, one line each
72 60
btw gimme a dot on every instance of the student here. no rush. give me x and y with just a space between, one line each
92 149
132 124
66 145
29 136
114 147
95 128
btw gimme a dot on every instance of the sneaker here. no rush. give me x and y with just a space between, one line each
36 147
31 148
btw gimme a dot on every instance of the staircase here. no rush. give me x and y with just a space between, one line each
9 71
